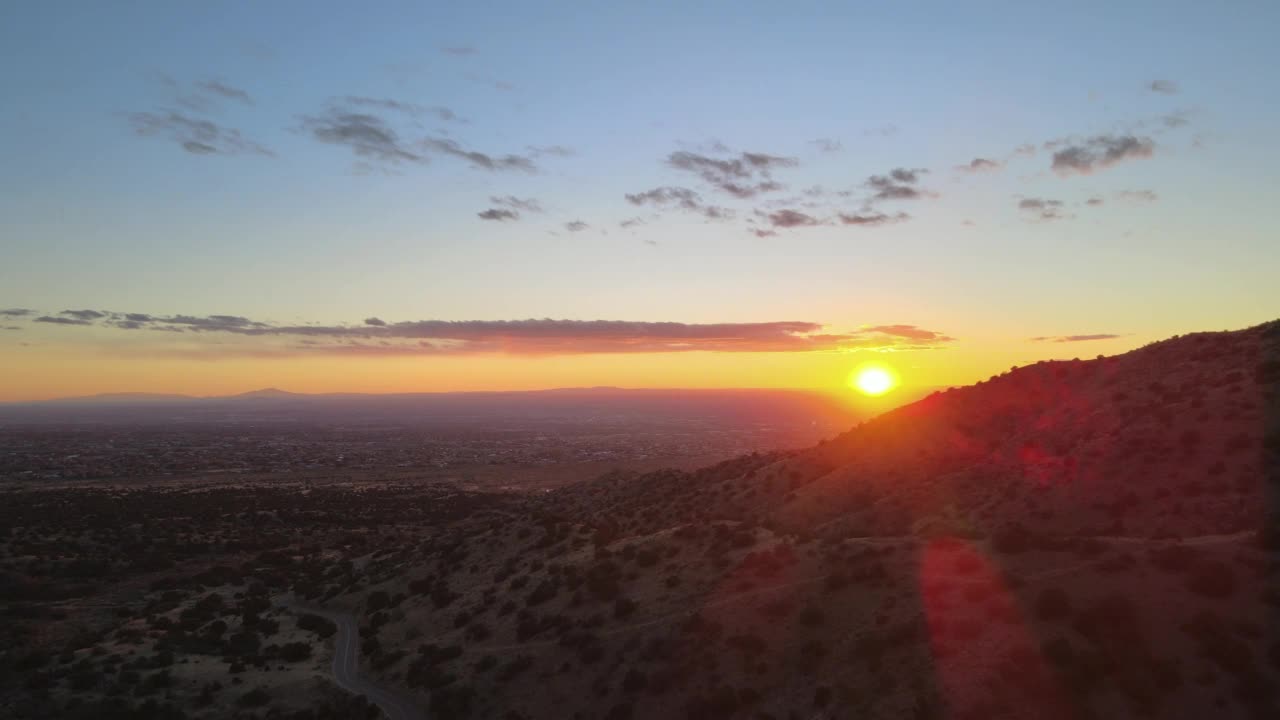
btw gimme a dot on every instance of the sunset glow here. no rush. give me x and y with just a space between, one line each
873 380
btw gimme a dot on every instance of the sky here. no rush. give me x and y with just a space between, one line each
391 197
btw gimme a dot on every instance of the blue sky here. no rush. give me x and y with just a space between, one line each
104 208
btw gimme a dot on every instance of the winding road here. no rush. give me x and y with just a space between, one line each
346 667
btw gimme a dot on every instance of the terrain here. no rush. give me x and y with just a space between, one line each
1073 539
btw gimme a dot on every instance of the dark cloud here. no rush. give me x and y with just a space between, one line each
827 145
978 165
533 336
631 222
576 226
16 312
1094 201
1042 208
1164 87
515 203
1100 152
791 219
60 320
84 314
1075 338
667 197
679 198
872 219
221 89
12 327
196 136
744 175
499 214
478 159
365 134
898 184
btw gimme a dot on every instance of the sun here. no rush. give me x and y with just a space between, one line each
873 380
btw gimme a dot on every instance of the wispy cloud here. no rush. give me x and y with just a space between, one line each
669 197
194 135
872 219
743 175
528 337
576 226
1163 87
368 136
980 165
483 161
222 89
792 219
499 214
827 145
1042 208
515 203
16 312
1137 196
1099 152
897 184
1075 338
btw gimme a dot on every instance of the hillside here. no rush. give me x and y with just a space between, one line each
1081 539
1069 539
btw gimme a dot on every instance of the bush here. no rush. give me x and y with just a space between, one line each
1053 604
323 627
256 697
295 651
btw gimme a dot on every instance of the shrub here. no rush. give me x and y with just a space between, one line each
321 626
256 697
1053 604
295 651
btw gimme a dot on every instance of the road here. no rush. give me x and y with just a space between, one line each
346 667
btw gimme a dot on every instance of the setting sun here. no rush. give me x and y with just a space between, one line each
873 380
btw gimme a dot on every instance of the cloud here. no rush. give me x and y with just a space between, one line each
478 159
745 175
84 314
499 214
576 226
898 184
515 203
791 219
221 89
196 136
1137 196
1164 87
16 312
678 198
365 134
1100 152
1075 338
872 219
11 327
1094 201
764 233
532 336
411 109
1042 208
1024 150
827 145
60 320
1176 119
978 165
553 150
631 222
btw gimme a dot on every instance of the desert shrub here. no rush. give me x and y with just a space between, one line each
377 600
256 697
295 651
1173 558
1053 604
624 608
1212 579
453 701
811 617
546 590
321 626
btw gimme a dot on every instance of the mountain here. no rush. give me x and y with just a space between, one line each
1078 539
